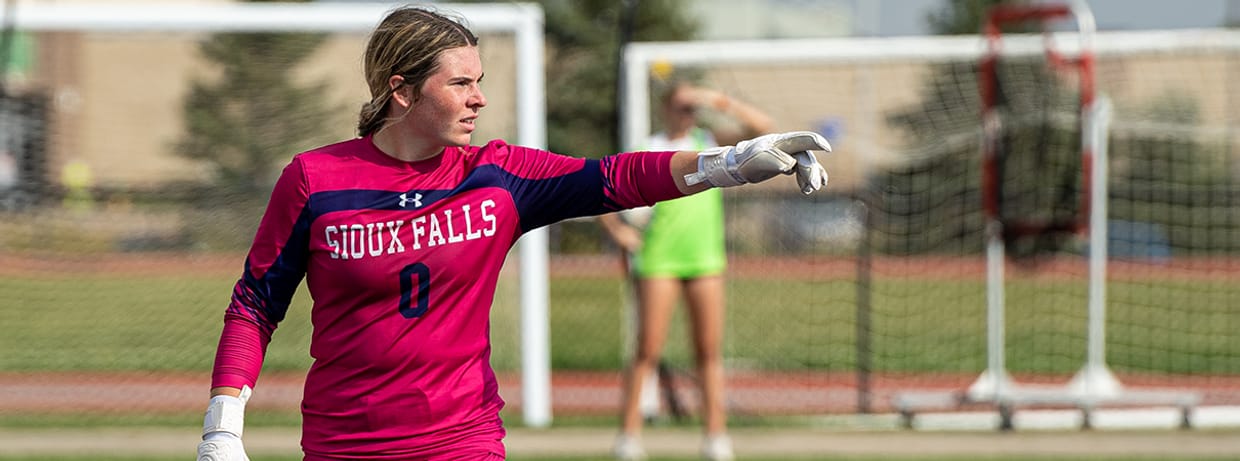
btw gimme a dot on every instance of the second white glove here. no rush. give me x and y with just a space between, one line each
221 446
222 427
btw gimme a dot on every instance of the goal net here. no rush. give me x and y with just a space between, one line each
138 147
883 281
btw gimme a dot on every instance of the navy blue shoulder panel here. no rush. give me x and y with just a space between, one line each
550 200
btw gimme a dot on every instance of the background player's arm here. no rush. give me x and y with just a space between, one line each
627 237
750 121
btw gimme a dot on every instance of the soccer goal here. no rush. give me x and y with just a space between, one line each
140 142
1032 232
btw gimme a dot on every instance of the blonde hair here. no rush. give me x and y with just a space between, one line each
407 42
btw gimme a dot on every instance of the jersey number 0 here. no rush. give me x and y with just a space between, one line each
407 275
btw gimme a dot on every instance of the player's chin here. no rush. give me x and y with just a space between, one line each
459 139
463 136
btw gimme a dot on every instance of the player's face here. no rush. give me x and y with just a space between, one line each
451 98
680 112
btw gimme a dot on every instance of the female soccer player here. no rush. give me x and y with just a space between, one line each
680 253
400 235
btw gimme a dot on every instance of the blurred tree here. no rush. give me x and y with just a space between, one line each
582 36
961 17
244 121
934 192
1175 176
1151 172
247 120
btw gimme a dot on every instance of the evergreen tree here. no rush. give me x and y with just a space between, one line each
1042 161
244 121
249 119
581 67
925 199
960 17
582 38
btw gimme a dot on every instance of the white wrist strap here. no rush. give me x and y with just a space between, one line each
226 413
715 167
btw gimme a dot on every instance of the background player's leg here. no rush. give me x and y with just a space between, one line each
706 302
657 297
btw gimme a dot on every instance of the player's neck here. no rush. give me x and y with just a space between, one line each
404 148
678 134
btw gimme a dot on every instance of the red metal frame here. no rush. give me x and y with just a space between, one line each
1082 65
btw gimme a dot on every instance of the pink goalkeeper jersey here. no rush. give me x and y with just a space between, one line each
401 260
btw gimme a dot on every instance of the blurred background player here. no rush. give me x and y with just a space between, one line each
676 250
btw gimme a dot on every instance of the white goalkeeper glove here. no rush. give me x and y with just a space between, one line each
763 158
222 427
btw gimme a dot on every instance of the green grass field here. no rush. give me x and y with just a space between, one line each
111 322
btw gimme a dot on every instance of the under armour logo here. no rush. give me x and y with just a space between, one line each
417 200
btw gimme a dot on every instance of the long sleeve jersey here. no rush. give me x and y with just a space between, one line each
401 260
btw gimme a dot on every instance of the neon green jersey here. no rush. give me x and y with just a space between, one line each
685 237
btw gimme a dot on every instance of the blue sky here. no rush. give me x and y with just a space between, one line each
907 17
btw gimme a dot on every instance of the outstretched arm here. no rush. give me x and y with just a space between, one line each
635 179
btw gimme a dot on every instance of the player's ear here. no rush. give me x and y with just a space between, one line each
402 93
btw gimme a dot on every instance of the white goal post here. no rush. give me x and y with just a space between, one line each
523 20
